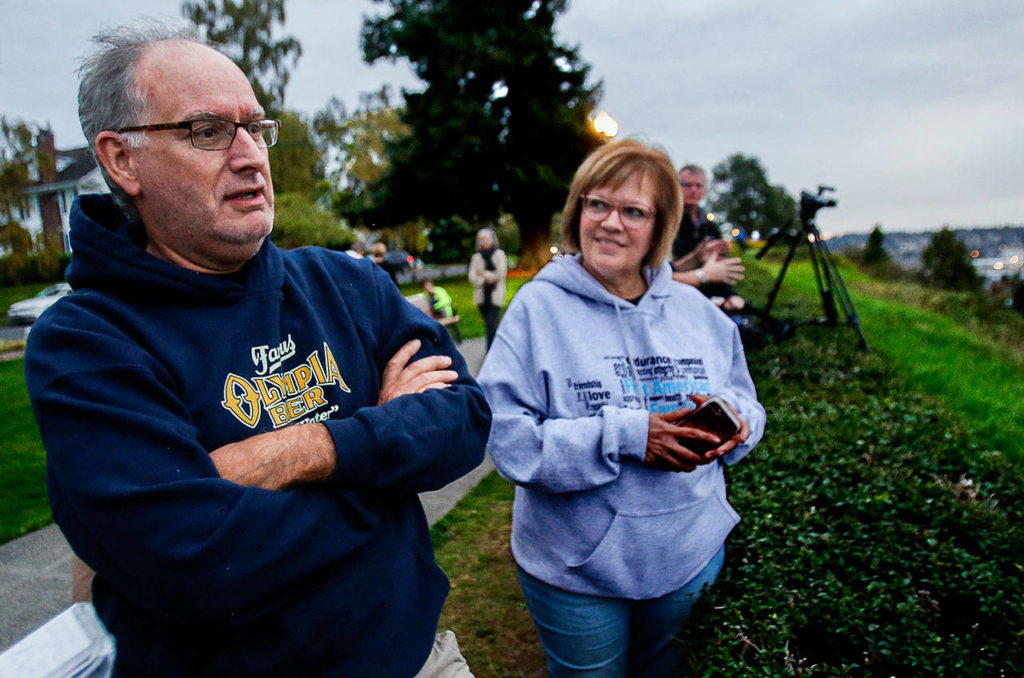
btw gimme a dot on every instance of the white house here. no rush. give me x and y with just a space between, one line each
55 185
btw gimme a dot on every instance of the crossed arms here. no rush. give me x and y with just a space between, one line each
303 454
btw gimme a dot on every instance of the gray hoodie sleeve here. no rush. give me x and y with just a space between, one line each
534 447
740 393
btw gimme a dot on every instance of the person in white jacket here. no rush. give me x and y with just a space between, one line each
617 523
487 270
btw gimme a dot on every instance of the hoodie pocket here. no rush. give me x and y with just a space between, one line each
645 554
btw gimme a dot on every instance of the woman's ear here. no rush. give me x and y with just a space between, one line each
116 158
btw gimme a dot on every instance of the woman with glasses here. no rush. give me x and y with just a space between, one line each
617 522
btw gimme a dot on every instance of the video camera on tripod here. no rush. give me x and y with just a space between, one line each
835 298
810 204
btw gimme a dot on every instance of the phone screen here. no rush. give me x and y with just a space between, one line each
714 417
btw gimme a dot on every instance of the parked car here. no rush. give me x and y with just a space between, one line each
400 260
27 311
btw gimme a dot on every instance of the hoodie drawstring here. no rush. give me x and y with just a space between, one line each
629 360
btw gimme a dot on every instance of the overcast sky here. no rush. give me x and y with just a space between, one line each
913 110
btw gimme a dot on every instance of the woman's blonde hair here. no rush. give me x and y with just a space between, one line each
611 165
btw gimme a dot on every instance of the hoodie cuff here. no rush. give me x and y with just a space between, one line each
355 445
628 428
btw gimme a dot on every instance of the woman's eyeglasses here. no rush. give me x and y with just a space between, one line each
631 216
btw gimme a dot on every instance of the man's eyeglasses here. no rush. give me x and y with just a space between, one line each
631 216
688 184
214 134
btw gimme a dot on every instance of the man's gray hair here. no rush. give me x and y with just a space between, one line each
108 96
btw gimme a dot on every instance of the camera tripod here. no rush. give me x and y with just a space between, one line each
835 298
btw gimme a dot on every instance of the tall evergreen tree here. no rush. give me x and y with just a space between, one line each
874 251
504 119
245 29
946 263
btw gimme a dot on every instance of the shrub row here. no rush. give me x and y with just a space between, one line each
37 267
879 537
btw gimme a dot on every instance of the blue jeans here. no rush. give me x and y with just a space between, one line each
593 636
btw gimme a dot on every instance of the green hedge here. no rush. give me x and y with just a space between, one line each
38 267
878 537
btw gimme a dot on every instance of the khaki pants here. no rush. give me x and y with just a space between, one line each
445 660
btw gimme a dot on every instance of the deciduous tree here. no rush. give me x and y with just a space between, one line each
246 29
16 154
298 221
354 147
296 161
502 123
741 193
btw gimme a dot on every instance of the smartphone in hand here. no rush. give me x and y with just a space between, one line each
714 416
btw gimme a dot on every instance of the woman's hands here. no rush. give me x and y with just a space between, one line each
666 441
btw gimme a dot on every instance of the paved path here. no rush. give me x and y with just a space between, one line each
35 570
14 332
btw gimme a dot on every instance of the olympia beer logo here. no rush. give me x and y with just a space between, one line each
285 397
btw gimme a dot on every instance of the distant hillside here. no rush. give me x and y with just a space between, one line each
905 248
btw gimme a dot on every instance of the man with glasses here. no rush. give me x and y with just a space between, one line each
235 434
699 254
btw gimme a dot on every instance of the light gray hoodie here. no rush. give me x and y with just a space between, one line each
571 377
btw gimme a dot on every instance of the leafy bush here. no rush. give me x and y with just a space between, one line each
35 267
878 537
299 221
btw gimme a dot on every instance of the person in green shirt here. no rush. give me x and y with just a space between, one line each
440 300
441 305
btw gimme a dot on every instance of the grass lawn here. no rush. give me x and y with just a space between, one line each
23 480
962 362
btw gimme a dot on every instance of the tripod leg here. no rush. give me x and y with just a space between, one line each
842 294
822 278
782 274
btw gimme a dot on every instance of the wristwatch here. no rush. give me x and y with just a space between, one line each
701 278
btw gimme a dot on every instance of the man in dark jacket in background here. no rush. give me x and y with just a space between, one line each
699 254
236 434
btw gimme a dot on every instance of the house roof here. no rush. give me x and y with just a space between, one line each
74 163
72 166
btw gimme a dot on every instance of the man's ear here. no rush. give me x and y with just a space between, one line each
116 157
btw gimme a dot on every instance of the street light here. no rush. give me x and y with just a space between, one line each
605 125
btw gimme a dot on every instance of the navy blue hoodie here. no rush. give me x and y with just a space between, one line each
147 367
